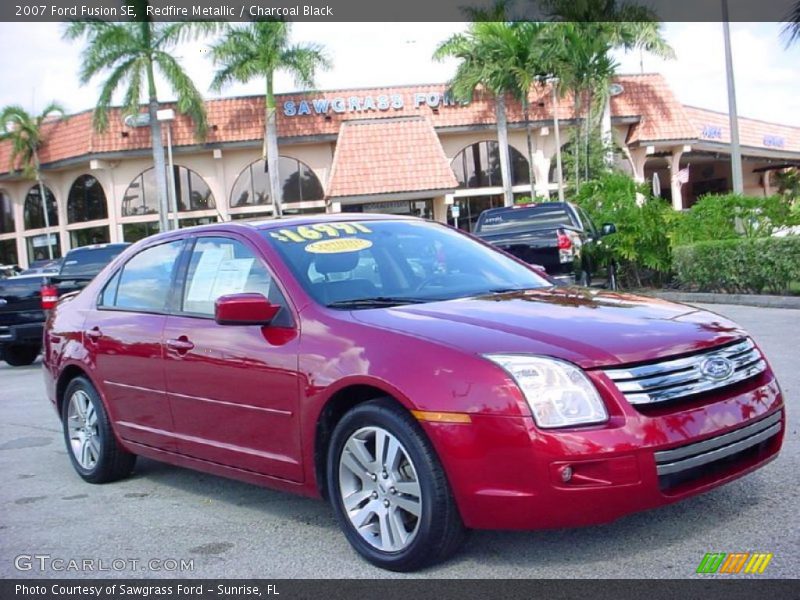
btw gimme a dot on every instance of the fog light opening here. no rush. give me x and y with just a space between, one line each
566 473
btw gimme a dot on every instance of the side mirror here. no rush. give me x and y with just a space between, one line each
244 309
608 229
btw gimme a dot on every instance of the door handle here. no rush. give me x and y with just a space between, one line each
94 334
182 345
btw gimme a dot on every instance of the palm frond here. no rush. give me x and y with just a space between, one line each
791 28
302 62
190 101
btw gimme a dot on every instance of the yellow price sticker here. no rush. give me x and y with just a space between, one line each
319 231
339 246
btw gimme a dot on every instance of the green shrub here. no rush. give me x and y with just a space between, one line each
641 246
744 265
728 216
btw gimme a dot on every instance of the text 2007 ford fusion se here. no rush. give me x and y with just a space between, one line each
422 381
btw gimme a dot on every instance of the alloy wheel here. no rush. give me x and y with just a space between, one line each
83 431
379 489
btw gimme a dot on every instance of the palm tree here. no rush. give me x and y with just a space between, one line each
260 49
583 36
24 131
482 52
129 54
791 29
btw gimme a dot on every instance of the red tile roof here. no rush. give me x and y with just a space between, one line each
714 126
646 97
385 156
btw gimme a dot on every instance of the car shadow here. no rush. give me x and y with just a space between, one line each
693 518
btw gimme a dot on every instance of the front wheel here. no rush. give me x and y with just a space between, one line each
389 491
94 451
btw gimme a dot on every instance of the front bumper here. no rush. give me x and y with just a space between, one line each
508 474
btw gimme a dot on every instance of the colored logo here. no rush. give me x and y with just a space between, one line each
717 368
734 563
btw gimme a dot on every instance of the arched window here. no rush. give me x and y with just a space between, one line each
298 181
191 192
6 213
86 201
478 166
34 215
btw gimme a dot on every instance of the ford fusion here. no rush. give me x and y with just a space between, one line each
420 380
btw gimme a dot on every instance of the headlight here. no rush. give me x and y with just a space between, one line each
559 394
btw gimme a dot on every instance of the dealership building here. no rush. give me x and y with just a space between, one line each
395 150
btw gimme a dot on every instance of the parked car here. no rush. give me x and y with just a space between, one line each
43 267
8 271
559 236
420 380
24 298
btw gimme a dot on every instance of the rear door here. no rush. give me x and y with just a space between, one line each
123 335
233 389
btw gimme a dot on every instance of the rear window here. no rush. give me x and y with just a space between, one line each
537 217
88 262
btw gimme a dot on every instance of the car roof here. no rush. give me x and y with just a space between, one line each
295 221
120 245
524 206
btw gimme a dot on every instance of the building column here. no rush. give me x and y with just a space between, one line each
674 161
440 208
541 173
637 157
765 179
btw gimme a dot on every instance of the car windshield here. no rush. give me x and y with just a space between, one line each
535 217
366 264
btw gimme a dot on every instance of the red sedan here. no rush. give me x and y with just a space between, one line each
420 380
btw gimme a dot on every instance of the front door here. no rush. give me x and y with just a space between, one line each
233 389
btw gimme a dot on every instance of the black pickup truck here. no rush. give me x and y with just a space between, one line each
22 314
558 236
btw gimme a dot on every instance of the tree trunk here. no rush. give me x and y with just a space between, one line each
158 150
45 211
159 164
576 139
271 151
529 135
502 143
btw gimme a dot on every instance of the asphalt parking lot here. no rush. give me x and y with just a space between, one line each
231 529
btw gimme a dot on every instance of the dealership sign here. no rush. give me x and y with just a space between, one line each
367 103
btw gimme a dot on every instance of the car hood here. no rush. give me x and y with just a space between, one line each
587 327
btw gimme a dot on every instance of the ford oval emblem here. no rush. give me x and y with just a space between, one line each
717 368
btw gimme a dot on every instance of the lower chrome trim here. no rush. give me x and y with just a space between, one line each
673 461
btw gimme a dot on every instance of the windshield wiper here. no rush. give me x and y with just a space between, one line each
377 301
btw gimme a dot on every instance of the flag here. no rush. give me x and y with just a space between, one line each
683 175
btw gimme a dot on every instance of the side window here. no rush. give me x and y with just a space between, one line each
144 282
109 296
222 266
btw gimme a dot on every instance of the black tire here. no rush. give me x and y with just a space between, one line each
20 355
112 462
439 529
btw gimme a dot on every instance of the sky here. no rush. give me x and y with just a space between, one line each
37 65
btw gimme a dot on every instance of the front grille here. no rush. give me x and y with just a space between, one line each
677 378
685 463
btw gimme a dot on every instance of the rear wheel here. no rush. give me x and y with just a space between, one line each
389 491
19 355
92 447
